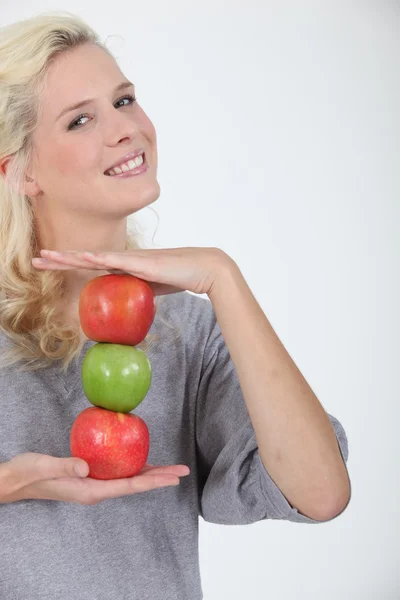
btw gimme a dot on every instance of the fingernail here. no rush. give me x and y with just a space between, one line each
40 260
81 470
52 252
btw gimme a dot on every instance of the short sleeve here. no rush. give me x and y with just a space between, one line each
234 486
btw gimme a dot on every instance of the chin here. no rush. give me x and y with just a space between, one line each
137 202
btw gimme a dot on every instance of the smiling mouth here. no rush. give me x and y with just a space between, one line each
129 168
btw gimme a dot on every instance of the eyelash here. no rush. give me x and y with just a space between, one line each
131 99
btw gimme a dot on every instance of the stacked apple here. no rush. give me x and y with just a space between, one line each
116 311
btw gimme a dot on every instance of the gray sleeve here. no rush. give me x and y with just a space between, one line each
235 488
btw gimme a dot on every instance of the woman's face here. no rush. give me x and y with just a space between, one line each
71 154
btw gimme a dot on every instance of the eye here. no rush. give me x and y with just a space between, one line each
75 123
129 97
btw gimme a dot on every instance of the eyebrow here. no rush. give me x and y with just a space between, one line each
121 86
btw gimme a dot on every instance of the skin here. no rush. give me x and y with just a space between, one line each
76 206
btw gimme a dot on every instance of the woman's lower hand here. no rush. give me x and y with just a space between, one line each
42 477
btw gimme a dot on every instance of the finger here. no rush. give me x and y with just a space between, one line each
63 264
178 470
150 477
114 488
53 266
69 257
40 263
84 260
34 466
118 261
51 467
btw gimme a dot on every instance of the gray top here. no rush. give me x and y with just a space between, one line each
145 545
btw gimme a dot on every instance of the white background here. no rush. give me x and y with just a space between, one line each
278 134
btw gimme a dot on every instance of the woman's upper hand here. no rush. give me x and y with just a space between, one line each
41 477
167 271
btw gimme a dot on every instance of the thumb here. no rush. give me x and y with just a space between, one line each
32 466
76 467
52 467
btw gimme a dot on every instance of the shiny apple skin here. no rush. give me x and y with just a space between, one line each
115 445
116 377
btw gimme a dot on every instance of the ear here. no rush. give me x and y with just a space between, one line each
30 187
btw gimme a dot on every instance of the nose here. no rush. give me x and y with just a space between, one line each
121 128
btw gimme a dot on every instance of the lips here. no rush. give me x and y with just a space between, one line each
129 156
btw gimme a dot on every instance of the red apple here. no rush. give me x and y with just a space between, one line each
113 444
119 309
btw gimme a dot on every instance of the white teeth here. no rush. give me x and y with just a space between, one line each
128 166
139 160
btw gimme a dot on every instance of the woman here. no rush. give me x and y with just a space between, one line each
227 406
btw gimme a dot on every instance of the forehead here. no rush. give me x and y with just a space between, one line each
86 71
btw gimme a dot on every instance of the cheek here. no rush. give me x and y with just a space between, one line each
150 133
147 127
74 159
150 130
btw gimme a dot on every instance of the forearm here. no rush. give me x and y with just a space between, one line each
297 443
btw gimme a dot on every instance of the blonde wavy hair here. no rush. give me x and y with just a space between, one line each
28 297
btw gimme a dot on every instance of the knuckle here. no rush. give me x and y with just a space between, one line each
135 484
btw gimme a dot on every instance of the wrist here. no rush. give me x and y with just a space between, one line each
227 273
10 487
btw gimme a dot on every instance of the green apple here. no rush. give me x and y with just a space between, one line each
115 376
